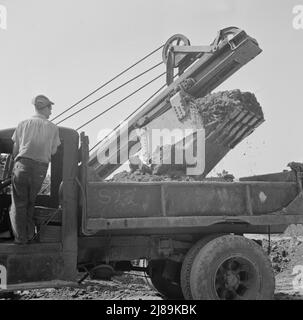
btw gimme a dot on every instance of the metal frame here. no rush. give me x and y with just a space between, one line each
182 57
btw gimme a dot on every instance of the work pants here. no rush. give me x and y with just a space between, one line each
27 178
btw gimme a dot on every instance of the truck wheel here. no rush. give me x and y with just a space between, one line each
166 287
232 268
188 261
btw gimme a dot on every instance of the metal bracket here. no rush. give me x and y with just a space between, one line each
176 103
182 56
193 49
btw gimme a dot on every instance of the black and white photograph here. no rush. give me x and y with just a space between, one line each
150 152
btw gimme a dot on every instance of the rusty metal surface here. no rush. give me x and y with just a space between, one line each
135 200
194 224
109 200
215 199
38 267
31 263
196 227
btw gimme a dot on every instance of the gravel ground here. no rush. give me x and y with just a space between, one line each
287 261
126 287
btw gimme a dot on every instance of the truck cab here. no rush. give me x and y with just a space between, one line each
52 260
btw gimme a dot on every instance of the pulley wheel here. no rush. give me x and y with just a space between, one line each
227 33
176 40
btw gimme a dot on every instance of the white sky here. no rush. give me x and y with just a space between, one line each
67 48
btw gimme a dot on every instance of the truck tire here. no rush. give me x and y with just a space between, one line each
167 288
232 268
188 261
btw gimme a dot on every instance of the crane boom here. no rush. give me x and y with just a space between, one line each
201 69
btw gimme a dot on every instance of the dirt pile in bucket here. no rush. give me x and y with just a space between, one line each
228 117
217 106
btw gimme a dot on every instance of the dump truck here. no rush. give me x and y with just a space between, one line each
190 235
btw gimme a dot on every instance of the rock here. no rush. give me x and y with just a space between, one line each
276 267
215 107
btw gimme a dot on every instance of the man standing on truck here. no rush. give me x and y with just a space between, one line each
35 141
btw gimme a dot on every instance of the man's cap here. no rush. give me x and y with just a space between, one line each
41 102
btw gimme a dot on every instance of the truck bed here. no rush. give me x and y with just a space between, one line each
154 206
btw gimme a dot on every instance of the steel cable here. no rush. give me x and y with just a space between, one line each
108 82
120 101
110 92
128 117
141 105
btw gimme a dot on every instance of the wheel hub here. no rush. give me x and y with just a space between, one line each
234 279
